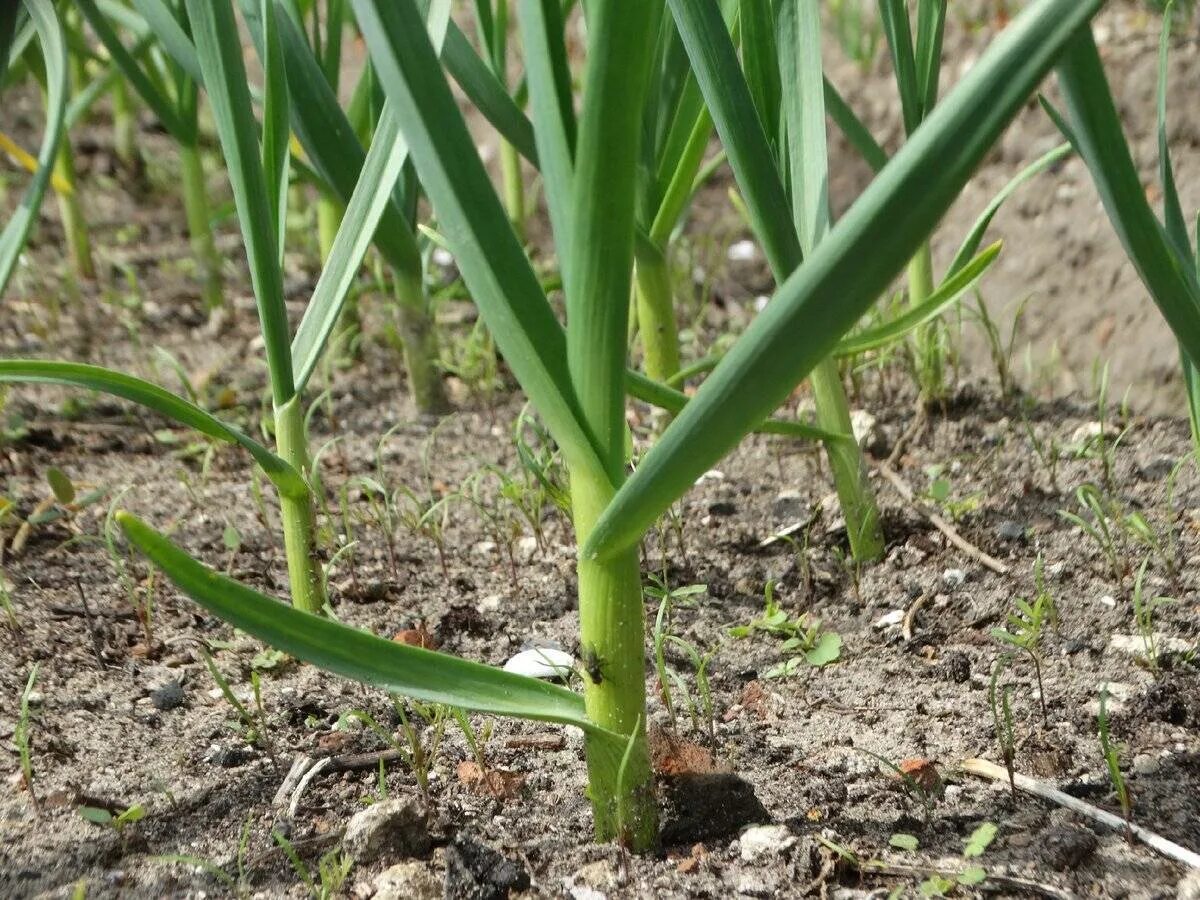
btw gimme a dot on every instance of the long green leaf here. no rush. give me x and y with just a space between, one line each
54 53
1096 131
1175 223
470 215
950 290
162 106
931 28
331 144
852 127
276 135
893 15
799 46
853 266
970 245
171 34
618 62
715 63
8 31
382 167
759 60
487 93
551 106
360 655
219 49
153 397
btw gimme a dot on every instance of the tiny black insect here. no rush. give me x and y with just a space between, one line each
593 665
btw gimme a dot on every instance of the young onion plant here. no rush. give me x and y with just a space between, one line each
576 376
257 162
168 84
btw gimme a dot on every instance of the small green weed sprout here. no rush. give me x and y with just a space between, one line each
117 821
999 699
1144 609
1112 759
1025 628
700 709
418 754
239 885
252 726
23 736
804 638
333 868
941 491
1096 521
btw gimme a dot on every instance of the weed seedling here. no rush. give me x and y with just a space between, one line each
1112 759
1143 615
1025 629
23 734
803 637
332 869
254 728
1002 720
1097 525
117 821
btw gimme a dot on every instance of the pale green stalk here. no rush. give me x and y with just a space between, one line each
125 132
419 338
656 313
514 187
928 339
297 512
73 222
199 225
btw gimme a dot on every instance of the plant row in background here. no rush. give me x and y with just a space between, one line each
620 147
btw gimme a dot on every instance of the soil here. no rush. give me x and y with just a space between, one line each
126 715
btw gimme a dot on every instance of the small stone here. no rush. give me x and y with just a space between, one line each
753 884
742 251
863 425
1066 847
527 547
1109 600
890 620
590 881
952 794
474 871
956 666
1092 430
395 827
1189 887
541 662
230 757
759 840
1145 764
1008 530
953 578
409 880
168 695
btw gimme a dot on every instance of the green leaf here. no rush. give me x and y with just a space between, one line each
219 50
493 264
162 106
61 484
759 59
410 671
852 267
487 93
171 34
94 378
931 26
852 127
54 53
904 842
893 16
972 876
804 112
980 839
276 133
975 236
715 63
828 649
370 199
96 815
951 289
551 106
1095 130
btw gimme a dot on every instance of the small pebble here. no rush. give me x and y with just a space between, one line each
168 695
541 662
953 578
759 840
1009 530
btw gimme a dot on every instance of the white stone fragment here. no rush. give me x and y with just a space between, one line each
541 662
